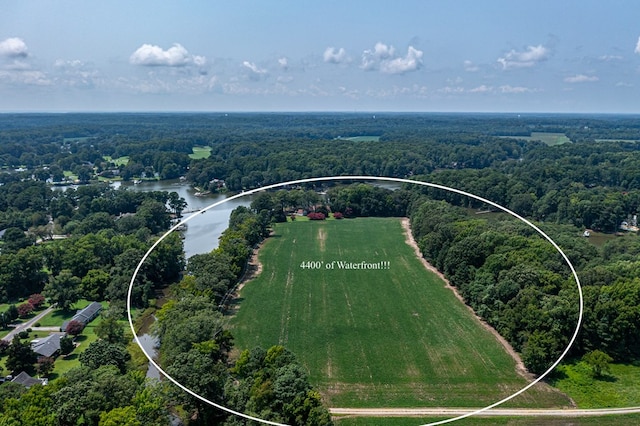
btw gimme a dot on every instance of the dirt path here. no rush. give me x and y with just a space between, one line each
494 412
520 368
254 268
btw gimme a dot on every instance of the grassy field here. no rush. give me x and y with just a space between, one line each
373 337
200 152
548 138
619 388
120 161
622 420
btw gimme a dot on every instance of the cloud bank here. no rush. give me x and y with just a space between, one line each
155 56
385 59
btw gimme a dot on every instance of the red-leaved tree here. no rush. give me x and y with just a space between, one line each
36 300
74 327
25 309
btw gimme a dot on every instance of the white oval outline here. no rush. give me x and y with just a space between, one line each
375 178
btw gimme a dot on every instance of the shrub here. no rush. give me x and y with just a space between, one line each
316 216
338 215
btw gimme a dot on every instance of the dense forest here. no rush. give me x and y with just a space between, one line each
510 276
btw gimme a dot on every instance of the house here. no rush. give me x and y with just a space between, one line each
84 316
48 346
27 381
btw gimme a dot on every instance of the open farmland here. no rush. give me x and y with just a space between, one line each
393 336
548 138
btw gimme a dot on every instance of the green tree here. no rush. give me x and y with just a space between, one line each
66 345
63 289
110 330
15 239
598 361
155 215
94 284
101 353
34 408
20 357
120 416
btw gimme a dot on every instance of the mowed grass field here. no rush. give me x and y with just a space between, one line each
391 337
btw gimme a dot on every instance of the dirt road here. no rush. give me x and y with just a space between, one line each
494 412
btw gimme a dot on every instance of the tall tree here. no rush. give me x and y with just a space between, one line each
63 289
20 357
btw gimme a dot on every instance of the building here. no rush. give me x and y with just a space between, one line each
27 381
49 346
84 316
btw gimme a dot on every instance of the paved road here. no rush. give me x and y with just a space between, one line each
28 323
495 412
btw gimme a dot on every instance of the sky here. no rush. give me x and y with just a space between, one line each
576 56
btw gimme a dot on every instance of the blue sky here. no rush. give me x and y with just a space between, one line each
428 55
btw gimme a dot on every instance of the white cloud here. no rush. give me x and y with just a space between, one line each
13 47
29 77
372 58
384 58
199 60
175 56
411 62
637 49
469 66
335 56
284 63
610 58
451 89
254 68
515 89
482 89
524 59
623 84
580 78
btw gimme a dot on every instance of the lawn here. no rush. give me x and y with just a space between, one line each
392 337
58 316
200 152
619 388
120 161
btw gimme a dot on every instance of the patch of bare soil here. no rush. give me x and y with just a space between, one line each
322 237
253 269
520 368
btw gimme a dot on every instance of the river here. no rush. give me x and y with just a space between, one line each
204 229
201 236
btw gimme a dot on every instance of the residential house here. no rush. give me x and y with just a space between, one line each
84 316
49 346
27 381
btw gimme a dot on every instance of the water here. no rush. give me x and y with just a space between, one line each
201 236
204 229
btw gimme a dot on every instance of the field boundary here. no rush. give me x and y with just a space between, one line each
520 368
